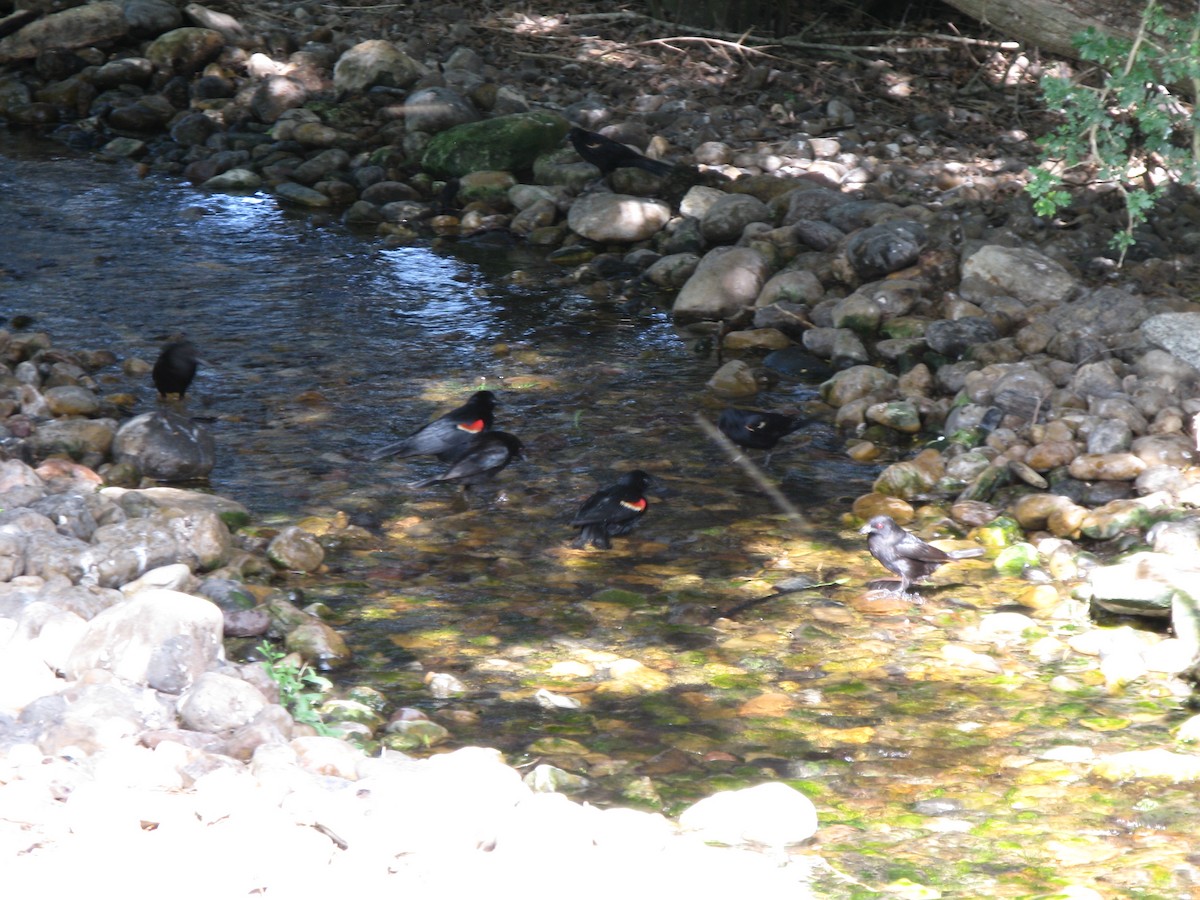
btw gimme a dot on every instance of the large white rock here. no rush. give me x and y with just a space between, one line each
160 638
771 814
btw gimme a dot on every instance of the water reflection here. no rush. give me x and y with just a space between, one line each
317 343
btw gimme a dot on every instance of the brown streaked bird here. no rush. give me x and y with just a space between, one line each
479 461
905 554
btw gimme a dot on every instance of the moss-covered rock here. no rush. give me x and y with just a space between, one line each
509 143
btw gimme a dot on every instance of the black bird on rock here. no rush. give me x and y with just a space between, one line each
905 554
446 436
479 460
611 511
175 368
757 430
607 155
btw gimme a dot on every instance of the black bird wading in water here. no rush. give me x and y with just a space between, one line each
479 461
607 155
175 368
611 511
906 554
446 436
757 430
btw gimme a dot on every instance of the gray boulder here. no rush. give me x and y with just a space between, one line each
166 446
727 281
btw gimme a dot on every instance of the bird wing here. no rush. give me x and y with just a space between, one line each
596 508
481 457
912 547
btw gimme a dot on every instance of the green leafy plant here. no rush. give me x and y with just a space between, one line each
1132 131
300 688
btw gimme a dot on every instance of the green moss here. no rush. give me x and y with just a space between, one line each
505 143
619 597
733 682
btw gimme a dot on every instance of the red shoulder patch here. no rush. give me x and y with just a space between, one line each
636 505
473 427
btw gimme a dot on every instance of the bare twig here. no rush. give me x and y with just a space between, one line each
736 46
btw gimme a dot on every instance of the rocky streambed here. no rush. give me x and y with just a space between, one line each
128 733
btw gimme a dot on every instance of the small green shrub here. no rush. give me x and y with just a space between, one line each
1130 125
300 688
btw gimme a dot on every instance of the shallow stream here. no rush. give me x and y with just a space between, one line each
320 344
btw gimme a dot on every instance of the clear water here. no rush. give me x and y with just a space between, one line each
318 343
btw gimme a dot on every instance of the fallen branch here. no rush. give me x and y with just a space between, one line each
948 38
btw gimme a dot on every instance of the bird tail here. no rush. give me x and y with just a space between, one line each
397 448
967 553
654 166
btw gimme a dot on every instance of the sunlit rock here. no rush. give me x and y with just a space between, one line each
617 218
319 644
772 814
734 379
295 550
375 62
167 639
727 281
857 382
1157 764
217 702
1022 272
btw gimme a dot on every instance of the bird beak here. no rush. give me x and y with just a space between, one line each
866 529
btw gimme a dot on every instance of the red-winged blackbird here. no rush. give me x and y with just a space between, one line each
757 430
479 461
611 511
175 368
606 154
446 436
905 554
